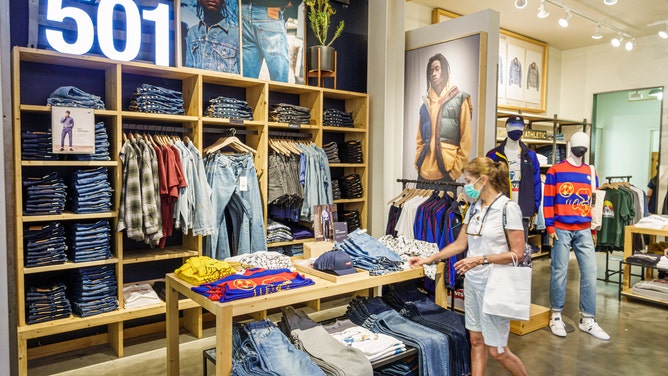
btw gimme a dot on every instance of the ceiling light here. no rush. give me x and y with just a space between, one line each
610 2
542 12
629 45
519 4
664 33
597 33
563 22
617 41
656 93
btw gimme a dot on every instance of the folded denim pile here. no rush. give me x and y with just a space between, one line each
333 117
89 241
229 108
45 195
47 303
101 145
157 100
332 151
37 146
93 290
351 152
278 232
351 186
90 191
70 96
290 113
370 254
336 190
352 218
44 245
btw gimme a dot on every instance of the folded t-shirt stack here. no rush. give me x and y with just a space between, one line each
139 295
47 303
290 113
37 146
44 245
375 346
351 186
647 259
278 232
655 289
263 259
201 269
351 152
229 108
332 151
333 117
158 100
45 195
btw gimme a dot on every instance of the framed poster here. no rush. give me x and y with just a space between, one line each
324 217
442 90
72 130
522 69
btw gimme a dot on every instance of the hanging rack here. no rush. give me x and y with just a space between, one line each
229 131
428 183
289 134
626 177
154 128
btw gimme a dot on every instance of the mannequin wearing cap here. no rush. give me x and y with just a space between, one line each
524 170
567 209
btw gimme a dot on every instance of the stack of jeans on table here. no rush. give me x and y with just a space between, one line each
332 117
37 146
352 218
260 348
278 232
45 195
47 303
70 96
332 151
418 307
370 254
336 190
101 145
332 356
351 186
377 316
351 152
89 241
90 191
44 245
290 113
93 290
158 100
229 108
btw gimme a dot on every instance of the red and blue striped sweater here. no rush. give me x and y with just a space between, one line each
567 197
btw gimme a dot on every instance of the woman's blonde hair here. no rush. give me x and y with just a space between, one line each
497 172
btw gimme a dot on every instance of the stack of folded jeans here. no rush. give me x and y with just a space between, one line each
101 145
336 190
332 151
37 146
369 254
90 191
70 96
351 152
336 118
229 108
290 113
158 100
45 195
351 186
47 303
92 290
352 218
377 316
278 232
44 245
89 241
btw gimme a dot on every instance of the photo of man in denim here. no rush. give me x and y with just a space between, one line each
68 123
213 42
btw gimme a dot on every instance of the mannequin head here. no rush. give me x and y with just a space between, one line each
579 144
515 127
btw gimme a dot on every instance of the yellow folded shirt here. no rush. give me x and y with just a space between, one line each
202 269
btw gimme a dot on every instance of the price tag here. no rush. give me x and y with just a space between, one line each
236 121
294 126
243 183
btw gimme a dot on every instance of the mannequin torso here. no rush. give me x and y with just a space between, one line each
513 152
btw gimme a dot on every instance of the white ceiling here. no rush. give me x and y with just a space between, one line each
630 16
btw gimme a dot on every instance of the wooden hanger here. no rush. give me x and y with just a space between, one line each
231 141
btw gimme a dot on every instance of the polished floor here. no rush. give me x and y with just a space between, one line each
639 343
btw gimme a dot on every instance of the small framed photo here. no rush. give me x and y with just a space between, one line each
324 217
73 130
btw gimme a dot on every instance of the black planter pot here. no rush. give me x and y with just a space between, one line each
326 58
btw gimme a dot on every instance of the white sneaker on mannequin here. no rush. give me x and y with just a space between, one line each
589 325
557 325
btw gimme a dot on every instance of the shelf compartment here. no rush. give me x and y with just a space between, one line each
344 129
68 265
157 254
68 216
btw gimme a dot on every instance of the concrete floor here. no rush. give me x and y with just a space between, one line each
639 334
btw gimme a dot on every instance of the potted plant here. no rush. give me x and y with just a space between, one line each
319 13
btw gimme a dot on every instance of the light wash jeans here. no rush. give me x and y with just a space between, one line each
583 246
264 38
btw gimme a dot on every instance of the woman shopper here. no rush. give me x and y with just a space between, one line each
483 235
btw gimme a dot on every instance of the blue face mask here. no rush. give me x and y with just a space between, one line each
470 190
515 135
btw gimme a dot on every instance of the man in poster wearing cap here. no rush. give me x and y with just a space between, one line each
524 168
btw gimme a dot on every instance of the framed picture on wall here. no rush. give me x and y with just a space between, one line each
522 68
443 88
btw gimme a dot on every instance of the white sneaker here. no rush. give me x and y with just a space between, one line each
557 327
591 327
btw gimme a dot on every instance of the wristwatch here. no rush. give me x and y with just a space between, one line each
485 261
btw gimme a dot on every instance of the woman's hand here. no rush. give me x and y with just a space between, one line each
464 265
414 262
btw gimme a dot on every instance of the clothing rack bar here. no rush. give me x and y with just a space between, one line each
627 177
229 131
429 183
289 134
154 128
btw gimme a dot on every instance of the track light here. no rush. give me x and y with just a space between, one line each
629 45
563 22
542 12
617 41
664 33
520 4
610 2
597 33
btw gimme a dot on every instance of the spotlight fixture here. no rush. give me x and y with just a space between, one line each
520 4
542 12
609 2
617 41
664 33
597 33
563 22
629 45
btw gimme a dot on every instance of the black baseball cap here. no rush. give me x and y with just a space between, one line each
336 262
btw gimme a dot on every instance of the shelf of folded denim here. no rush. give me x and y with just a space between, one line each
37 145
101 145
164 118
157 254
47 303
93 290
47 108
68 216
333 117
89 241
90 191
44 245
44 195
69 265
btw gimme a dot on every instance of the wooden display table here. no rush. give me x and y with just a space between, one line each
257 307
625 288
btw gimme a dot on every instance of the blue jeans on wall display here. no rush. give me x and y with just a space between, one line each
264 38
583 246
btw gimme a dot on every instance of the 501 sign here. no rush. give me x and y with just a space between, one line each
86 30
